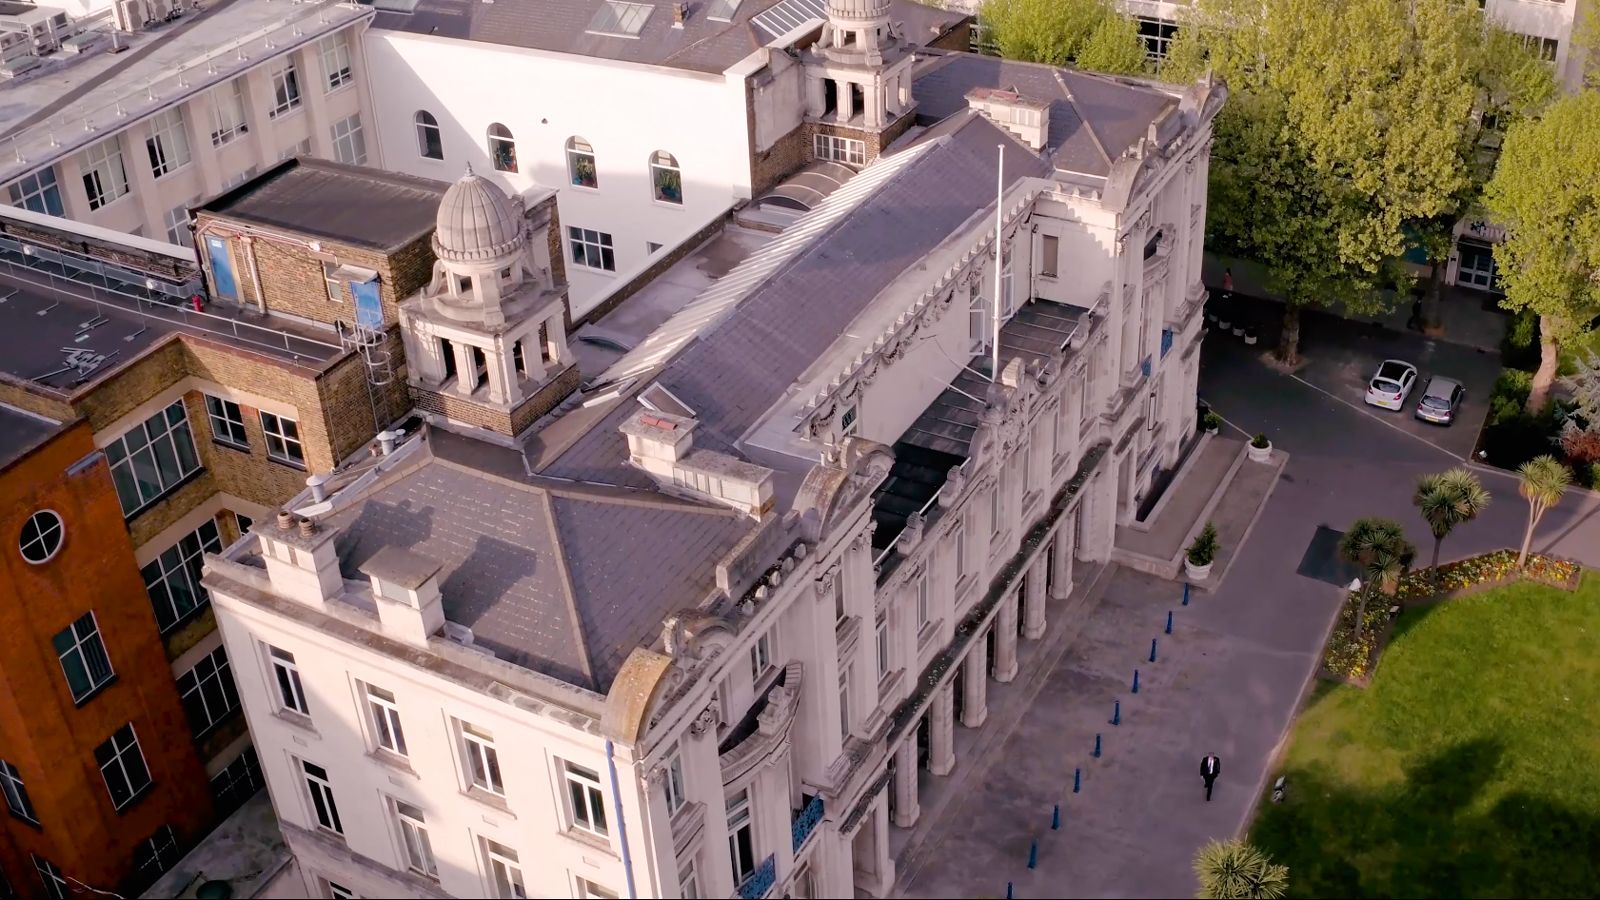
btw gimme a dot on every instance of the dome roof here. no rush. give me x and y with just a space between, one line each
476 222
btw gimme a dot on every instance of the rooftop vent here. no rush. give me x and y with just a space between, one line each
1028 119
662 444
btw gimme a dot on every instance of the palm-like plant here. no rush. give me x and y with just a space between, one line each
1379 547
1449 499
1544 480
1229 869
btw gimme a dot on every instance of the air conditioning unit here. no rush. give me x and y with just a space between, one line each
136 15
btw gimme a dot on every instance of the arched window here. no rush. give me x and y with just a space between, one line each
665 179
502 148
580 163
430 143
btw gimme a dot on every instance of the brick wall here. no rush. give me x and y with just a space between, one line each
35 398
787 155
461 409
876 141
50 739
547 398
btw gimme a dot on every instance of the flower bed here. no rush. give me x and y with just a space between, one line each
1348 659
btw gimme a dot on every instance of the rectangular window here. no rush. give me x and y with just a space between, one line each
1157 35
672 784
38 192
337 891
177 222
997 508
414 839
208 691
291 695
924 604
386 730
156 853
961 549
883 647
285 89
1049 255
505 870
237 782
348 144
844 703
83 657
104 177
227 113
168 143
238 178
55 884
320 790
689 882
301 149
335 52
283 440
850 421
1546 49
152 458
16 793
483 761
227 422
173 578
591 249
837 149
588 890
761 657
838 596
122 766
588 803
741 842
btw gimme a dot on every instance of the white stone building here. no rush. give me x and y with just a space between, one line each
129 131
704 628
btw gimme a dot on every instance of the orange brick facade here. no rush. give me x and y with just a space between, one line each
48 738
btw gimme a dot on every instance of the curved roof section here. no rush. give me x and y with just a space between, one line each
810 186
475 222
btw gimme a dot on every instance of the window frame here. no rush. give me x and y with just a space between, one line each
580 150
504 867
427 126
33 192
291 693
665 165
1049 256
336 68
245 769
180 564
349 131
480 753
231 420
672 784
286 94
42 535
924 602
290 448
177 222
217 679
105 173
51 877
584 243
761 657
388 732
167 144
15 789
320 788
416 848
79 641
175 435
502 145
228 99
839 149
846 722
157 849
883 648
741 818
118 756
581 781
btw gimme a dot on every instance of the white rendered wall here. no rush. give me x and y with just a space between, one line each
626 113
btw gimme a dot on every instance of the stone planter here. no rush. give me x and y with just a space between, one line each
1197 573
1250 336
1260 454
1238 331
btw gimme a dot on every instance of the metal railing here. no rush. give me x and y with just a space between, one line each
759 883
805 822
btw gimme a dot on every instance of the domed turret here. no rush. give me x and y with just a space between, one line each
858 10
476 222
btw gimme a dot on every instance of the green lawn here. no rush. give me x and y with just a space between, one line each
1469 768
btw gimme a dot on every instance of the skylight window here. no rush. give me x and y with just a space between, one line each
722 10
620 19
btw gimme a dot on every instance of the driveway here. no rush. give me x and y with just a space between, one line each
1229 677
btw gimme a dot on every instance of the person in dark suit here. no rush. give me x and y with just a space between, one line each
1210 768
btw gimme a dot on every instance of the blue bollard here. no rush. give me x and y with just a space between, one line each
1169 621
1077 780
1153 649
1116 712
1008 890
1136 681
1097 746
1033 854
1186 593
1055 818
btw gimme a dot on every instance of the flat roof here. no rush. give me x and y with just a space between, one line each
71 101
350 204
21 431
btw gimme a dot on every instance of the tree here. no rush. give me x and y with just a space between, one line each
1234 869
1114 47
1379 547
1045 31
1544 480
1546 192
1449 499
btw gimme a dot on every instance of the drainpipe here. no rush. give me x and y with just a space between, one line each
622 823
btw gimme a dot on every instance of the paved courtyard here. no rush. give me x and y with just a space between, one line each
1227 680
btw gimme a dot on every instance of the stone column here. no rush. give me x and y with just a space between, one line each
880 869
1005 640
1033 623
466 368
1061 559
975 685
942 731
906 778
845 100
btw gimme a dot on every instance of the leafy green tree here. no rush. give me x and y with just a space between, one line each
1447 500
1379 547
1235 869
1090 34
1546 192
1544 481
1114 47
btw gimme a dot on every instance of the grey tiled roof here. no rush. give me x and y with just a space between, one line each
1093 118
702 44
352 204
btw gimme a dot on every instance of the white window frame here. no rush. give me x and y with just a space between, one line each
502 144
320 787
163 849
416 849
168 143
924 602
672 782
1049 255
39 191
177 222
175 574
850 420
41 538
846 723
81 638
961 549
303 148
228 116
427 126
585 797
50 876
336 70
171 428
227 422
349 142
118 763
481 761
883 647
290 691
580 149
664 164
761 657
105 177
282 435
740 808
16 793
838 149
585 244
505 871
688 882
286 96
337 891
218 677
388 733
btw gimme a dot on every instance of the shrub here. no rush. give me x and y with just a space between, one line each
1203 550
1210 421
1520 348
1260 442
1581 446
1509 395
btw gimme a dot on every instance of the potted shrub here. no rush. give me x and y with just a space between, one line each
1260 448
1250 335
1238 329
1210 422
1201 554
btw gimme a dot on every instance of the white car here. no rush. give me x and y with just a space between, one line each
1390 387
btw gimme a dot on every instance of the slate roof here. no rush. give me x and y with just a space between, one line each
703 44
1093 118
21 432
556 578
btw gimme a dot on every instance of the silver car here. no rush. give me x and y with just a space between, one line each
1441 399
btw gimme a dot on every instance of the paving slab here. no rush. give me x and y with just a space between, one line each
1170 525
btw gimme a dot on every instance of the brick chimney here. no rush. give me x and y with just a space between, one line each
405 585
680 12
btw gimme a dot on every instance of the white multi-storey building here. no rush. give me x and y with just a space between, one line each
704 629
134 129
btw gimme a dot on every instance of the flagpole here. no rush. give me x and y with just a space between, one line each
999 214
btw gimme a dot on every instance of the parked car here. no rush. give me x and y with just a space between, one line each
1441 399
1392 384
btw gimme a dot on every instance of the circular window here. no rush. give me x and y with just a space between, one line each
41 536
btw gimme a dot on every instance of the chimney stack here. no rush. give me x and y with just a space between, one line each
680 12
